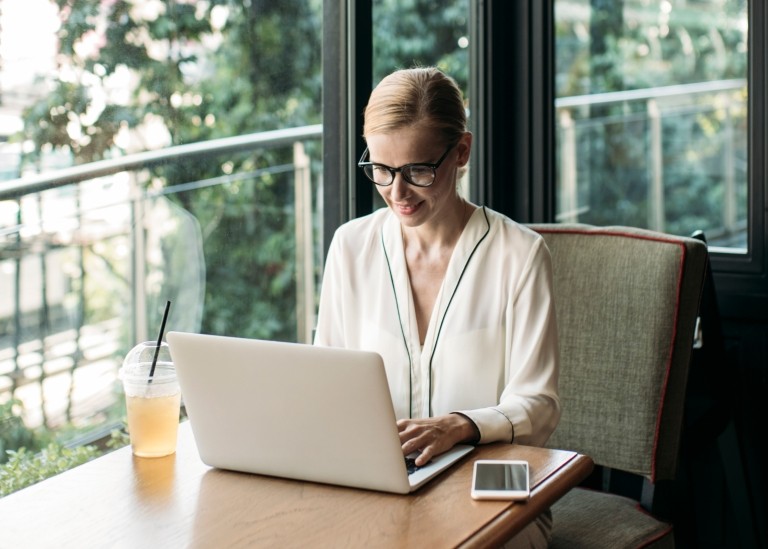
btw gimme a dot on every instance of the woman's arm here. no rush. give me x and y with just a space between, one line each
529 407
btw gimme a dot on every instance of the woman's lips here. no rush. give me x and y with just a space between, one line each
407 209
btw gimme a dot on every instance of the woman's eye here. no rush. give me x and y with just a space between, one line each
420 171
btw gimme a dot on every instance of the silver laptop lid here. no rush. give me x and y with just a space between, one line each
290 410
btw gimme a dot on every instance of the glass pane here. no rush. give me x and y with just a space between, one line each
215 107
651 115
411 33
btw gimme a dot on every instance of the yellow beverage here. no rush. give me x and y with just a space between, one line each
153 424
152 399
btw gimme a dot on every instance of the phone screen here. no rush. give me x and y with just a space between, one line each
500 480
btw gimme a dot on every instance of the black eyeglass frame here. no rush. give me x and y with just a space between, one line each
392 171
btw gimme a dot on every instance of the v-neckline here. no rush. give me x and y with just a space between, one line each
463 249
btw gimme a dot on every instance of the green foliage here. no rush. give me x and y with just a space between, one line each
409 33
630 45
13 433
264 76
204 70
26 458
118 438
24 468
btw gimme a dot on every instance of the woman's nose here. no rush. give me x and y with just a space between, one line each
400 187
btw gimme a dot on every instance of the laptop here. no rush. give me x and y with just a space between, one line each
295 411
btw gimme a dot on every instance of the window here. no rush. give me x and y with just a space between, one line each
651 116
191 133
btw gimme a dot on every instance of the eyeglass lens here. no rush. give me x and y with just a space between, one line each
416 174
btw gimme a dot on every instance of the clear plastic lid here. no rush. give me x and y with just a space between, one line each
137 364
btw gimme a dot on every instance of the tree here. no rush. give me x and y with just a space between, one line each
639 45
421 32
262 73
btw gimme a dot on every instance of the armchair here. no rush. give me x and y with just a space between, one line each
627 301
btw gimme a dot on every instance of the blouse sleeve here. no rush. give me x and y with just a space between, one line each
329 331
529 407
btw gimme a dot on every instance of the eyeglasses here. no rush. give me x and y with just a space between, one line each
420 174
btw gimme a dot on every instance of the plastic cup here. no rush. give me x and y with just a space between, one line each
152 401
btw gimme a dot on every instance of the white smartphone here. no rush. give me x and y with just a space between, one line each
501 479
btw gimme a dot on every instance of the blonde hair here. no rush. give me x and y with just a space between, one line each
418 96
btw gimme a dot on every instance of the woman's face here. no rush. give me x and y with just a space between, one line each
413 205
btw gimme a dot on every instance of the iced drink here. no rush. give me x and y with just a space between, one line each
153 424
152 401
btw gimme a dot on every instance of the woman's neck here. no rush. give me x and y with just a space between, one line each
442 234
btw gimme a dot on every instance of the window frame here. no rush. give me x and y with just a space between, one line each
514 124
347 44
742 279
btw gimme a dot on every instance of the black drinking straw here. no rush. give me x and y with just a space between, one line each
159 340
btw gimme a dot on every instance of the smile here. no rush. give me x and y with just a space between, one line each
407 209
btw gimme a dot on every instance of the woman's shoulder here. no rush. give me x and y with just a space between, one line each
508 228
362 229
517 244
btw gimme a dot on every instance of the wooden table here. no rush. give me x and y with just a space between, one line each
122 501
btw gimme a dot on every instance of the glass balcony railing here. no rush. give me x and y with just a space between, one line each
671 158
227 230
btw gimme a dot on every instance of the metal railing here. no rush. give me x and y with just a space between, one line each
41 182
589 117
48 346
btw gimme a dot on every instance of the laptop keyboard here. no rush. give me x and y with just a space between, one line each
410 464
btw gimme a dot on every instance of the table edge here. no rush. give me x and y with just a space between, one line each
502 528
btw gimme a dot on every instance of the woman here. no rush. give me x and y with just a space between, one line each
456 298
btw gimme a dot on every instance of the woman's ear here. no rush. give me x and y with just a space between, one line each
464 147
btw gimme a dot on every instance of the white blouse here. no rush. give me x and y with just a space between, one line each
491 349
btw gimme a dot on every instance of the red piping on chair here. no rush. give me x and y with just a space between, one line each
683 253
653 539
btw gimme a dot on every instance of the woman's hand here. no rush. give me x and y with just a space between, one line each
435 435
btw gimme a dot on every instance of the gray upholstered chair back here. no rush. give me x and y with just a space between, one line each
627 301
